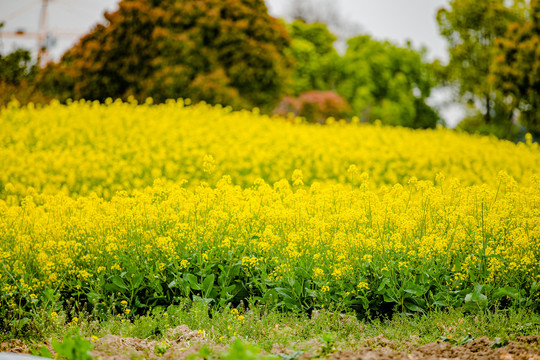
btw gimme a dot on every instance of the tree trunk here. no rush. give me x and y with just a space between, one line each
487 116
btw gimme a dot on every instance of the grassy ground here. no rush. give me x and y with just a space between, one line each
272 331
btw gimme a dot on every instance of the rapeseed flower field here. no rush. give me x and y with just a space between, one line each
124 208
87 148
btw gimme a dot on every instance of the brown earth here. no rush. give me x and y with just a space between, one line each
184 342
524 348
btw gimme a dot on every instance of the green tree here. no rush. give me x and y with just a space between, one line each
384 82
471 27
220 51
316 60
17 74
516 69
16 67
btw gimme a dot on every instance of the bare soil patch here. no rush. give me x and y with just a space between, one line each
525 347
183 342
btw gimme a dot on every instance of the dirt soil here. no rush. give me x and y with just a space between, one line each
525 348
184 342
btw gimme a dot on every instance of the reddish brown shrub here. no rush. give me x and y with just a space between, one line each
315 106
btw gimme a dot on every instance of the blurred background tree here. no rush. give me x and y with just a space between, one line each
471 28
387 83
516 69
381 81
17 73
232 52
16 67
220 51
316 59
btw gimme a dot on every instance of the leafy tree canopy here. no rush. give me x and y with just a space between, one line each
471 28
381 81
516 69
220 51
388 83
16 67
316 60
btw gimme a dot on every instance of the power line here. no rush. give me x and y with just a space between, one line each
45 36
42 36
18 12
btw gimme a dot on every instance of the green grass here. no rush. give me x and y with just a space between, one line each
296 331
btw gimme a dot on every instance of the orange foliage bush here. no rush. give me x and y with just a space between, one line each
220 51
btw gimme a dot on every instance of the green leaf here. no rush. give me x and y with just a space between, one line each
482 301
193 281
283 292
477 291
414 289
383 284
45 352
22 322
506 291
389 297
137 280
310 293
466 339
498 343
93 298
208 285
297 286
117 280
412 307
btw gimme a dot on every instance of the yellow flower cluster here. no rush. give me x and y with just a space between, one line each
87 148
336 230
90 191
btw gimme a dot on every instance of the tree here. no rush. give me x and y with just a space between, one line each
516 69
17 74
16 67
315 57
220 51
387 83
471 27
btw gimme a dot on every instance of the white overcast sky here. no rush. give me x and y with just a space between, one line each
394 20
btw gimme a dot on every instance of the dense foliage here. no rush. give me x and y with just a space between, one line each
380 80
16 67
316 59
17 73
385 82
517 67
228 52
473 30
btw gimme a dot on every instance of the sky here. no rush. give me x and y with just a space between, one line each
394 20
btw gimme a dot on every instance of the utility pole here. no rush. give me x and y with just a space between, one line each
42 35
42 51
